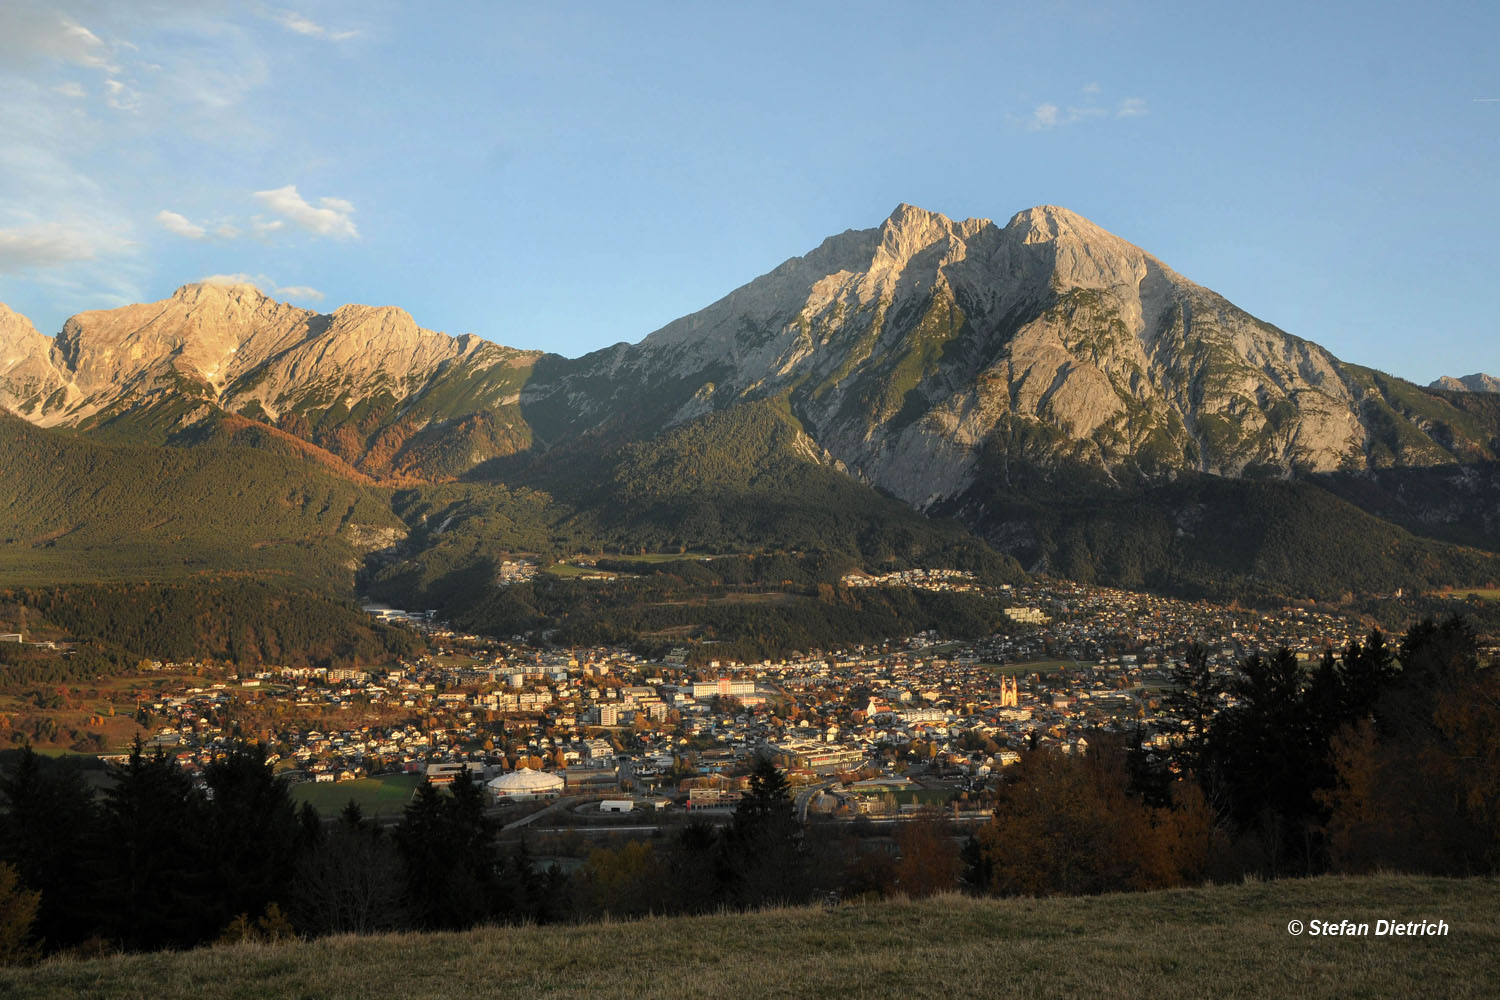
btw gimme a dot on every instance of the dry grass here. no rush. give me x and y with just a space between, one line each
1216 942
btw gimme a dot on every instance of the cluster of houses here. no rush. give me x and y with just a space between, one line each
598 718
917 579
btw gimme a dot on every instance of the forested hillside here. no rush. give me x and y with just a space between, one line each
77 510
246 622
1229 539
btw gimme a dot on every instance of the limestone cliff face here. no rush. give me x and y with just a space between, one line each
927 352
28 377
363 381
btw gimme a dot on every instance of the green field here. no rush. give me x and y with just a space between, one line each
1227 941
1483 593
661 557
386 794
568 571
1034 667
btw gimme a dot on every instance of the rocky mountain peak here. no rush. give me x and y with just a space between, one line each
384 321
1478 382
1044 223
27 373
909 230
17 334
199 291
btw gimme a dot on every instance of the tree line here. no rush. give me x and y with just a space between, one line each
1380 757
156 861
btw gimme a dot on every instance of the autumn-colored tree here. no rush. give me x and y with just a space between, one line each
1418 783
929 855
1363 834
1067 824
631 880
869 870
18 909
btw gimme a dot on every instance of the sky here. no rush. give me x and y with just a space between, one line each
566 176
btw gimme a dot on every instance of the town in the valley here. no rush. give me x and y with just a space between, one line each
594 738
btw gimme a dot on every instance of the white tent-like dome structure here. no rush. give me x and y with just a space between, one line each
524 783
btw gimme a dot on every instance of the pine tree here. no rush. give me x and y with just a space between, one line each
46 832
154 891
255 834
445 842
764 857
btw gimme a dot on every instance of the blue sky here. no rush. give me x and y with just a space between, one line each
565 176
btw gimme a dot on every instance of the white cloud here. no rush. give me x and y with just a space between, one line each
1049 115
302 25
1044 116
293 21
180 225
46 245
33 31
265 227
71 88
266 284
302 292
121 97
173 222
236 279
331 217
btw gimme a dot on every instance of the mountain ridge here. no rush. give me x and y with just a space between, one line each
969 369
908 351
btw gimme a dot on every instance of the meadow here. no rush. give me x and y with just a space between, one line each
1224 941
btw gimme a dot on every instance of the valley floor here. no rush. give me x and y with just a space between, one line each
1227 941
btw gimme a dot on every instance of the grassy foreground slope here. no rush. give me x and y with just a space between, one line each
1223 942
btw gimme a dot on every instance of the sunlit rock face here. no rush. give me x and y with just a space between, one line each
362 381
927 352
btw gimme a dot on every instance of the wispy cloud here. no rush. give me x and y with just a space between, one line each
180 225
301 293
33 32
330 217
303 25
1050 115
241 278
23 248
120 96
